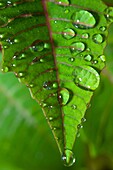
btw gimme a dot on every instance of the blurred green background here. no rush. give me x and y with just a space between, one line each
26 142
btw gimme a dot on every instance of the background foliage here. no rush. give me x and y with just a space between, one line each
26 142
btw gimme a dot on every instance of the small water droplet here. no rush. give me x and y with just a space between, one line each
41 60
68 33
79 126
5 46
64 96
94 62
74 106
83 19
102 58
48 85
20 56
1 36
50 118
88 57
72 59
66 11
68 158
5 69
55 85
85 35
31 85
86 77
20 74
109 14
77 47
39 47
98 38
88 49
83 119
63 2
102 28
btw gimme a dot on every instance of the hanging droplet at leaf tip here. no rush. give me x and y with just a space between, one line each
68 158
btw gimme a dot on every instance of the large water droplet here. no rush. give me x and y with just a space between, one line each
83 20
68 158
109 14
77 47
86 77
68 33
64 96
98 38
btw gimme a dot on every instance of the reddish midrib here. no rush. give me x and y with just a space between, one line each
44 4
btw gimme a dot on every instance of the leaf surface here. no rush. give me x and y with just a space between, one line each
56 49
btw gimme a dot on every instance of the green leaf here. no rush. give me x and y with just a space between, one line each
56 49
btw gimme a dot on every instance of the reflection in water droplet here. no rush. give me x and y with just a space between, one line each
68 33
102 28
88 57
79 126
98 38
109 14
20 56
86 77
64 96
85 35
68 158
50 118
103 58
38 47
83 20
55 85
5 69
77 47
46 45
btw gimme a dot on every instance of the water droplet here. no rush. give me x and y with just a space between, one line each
85 35
64 96
83 119
86 77
63 2
43 104
79 126
30 85
5 46
20 74
77 47
83 20
47 85
94 62
38 47
72 59
1 36
55 85
41 60
103 58
98 38
109 14
74 106
88 49
50 118
102 28
20 56
5 69
68 33
88 57
66 11
68 158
